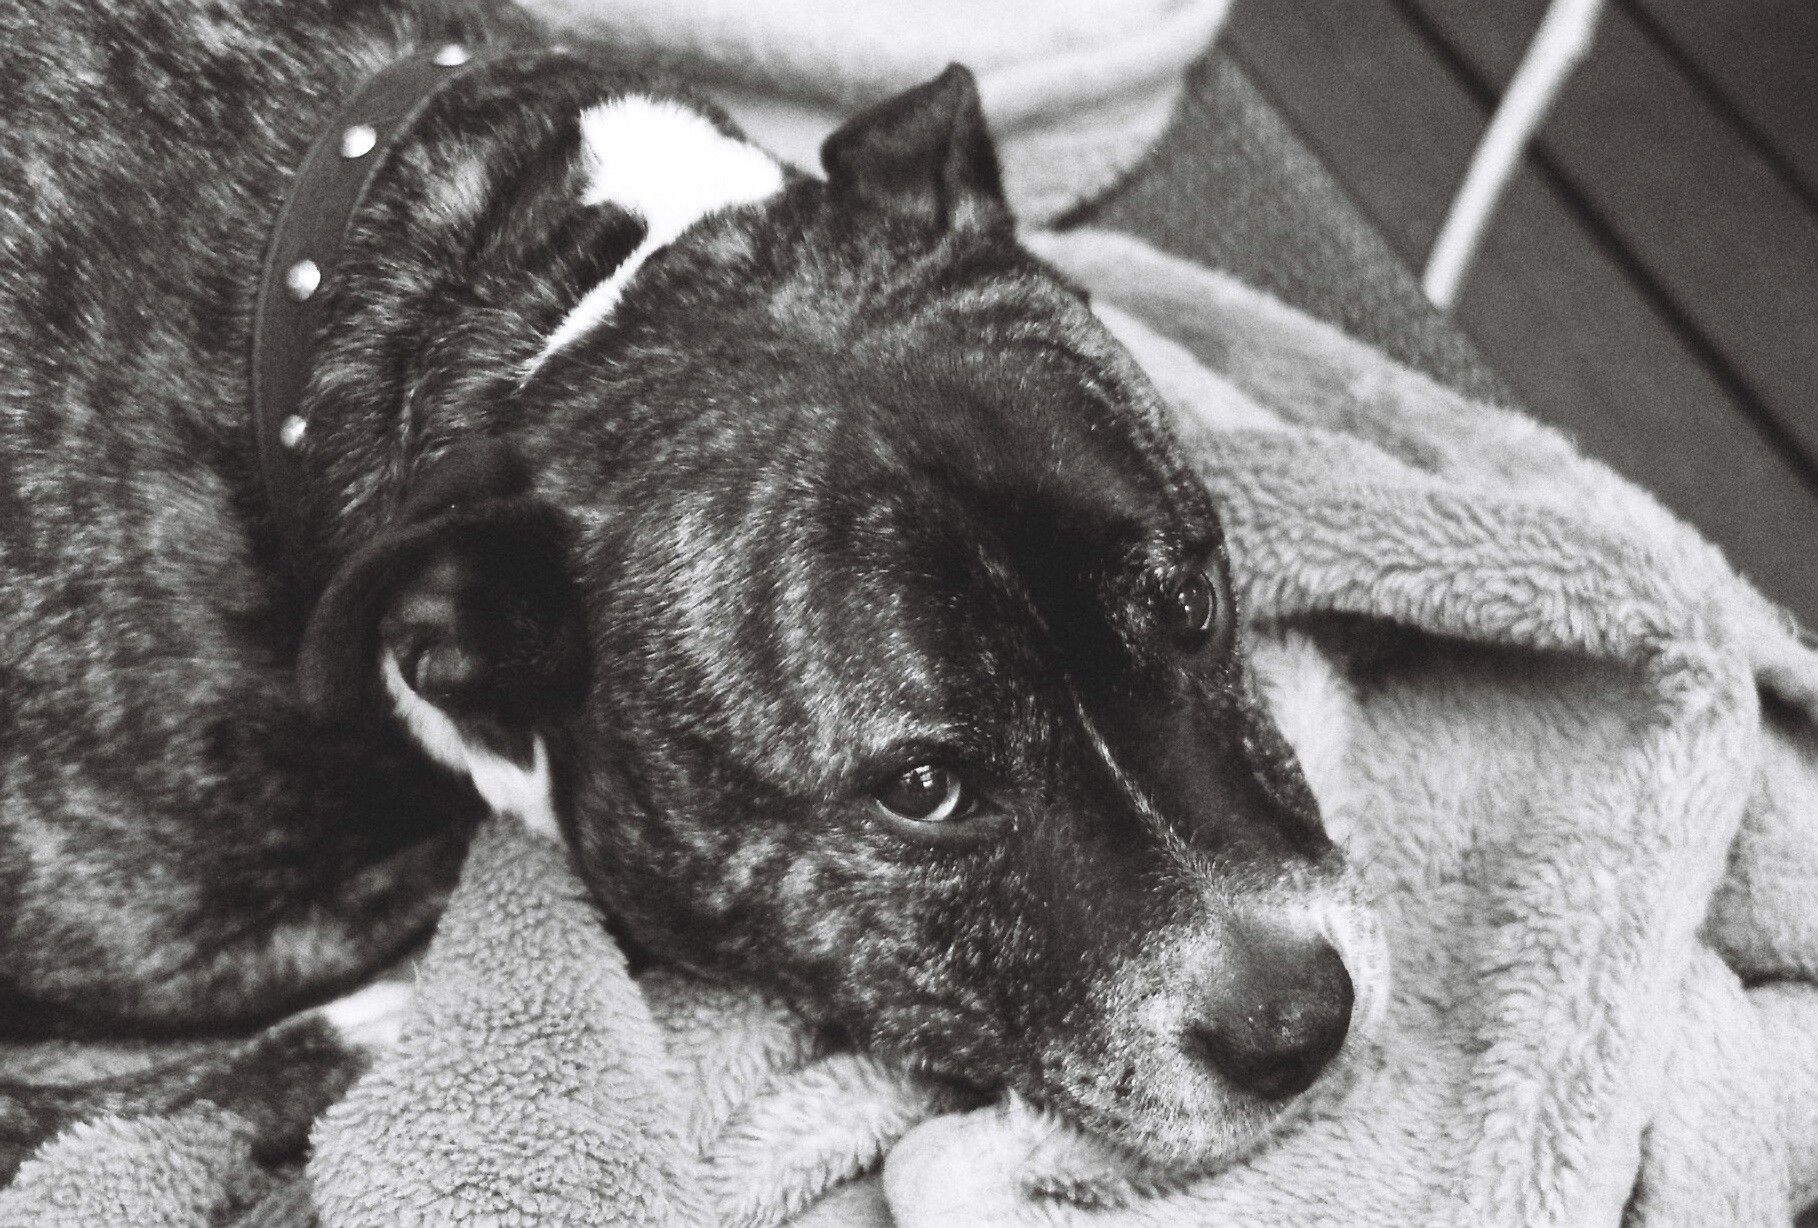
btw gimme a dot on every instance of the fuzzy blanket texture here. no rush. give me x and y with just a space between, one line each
1573 756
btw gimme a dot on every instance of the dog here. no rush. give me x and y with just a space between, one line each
800 551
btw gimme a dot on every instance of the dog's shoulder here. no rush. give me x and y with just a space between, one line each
146 714
146 143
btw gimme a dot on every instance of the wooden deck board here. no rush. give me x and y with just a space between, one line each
1385 88
1552 309
1726 245
1762 57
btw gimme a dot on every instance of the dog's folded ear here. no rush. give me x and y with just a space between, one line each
923 155
464 616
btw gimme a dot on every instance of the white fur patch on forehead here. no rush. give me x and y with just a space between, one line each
669 166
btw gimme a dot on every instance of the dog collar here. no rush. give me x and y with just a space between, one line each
300 263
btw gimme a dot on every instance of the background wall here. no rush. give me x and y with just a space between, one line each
1649 283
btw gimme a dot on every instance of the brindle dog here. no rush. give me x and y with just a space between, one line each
804 552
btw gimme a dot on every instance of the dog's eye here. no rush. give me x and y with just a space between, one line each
1199 609
926 793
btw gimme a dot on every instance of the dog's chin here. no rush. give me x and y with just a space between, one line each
1170 1121
1096 1154
1170 1138
1097 1143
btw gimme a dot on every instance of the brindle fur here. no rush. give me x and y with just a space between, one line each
848 481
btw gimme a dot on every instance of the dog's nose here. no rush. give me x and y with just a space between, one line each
1278 1014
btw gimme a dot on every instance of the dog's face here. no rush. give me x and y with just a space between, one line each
912 685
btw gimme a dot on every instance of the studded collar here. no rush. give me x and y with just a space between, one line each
302 258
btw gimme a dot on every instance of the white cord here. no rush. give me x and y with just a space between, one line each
1563 39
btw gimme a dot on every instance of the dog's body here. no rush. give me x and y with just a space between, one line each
809 558
181 842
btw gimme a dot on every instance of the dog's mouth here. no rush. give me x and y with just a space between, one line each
1151 1110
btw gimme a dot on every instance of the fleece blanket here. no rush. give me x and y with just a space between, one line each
1573 756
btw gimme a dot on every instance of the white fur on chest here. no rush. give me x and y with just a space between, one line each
668 166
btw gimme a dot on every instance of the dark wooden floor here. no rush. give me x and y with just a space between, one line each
1650 283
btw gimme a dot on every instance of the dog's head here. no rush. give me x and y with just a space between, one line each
852 613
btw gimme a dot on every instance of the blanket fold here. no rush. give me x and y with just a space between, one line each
538 1082
1573 756
514 1094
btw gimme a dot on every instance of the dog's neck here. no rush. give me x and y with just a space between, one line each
501 227
304 251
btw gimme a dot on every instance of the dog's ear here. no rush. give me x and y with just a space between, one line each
465 619
924 155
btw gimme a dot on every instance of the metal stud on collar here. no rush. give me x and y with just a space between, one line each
304 252
358 141
292 430
302 278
